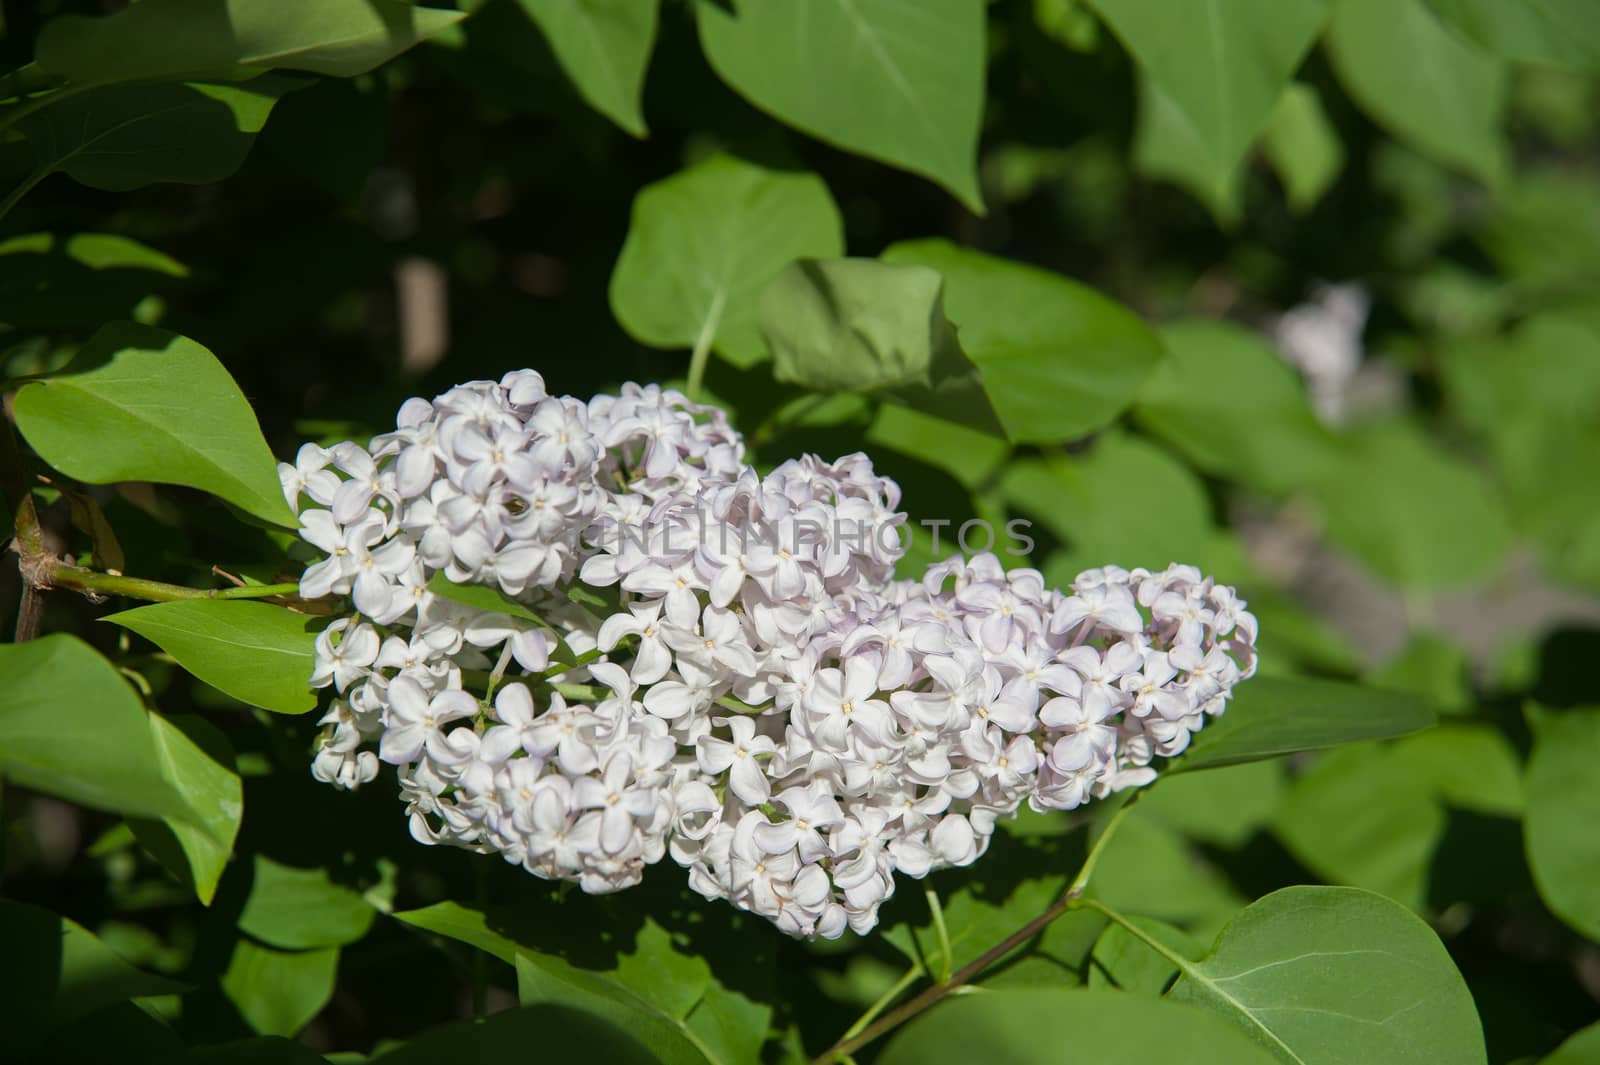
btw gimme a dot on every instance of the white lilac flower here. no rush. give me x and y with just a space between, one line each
724 668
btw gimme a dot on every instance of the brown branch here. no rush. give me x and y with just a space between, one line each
967 973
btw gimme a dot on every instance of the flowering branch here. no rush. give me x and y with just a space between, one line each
93 582
860 1035
41 572
895 1018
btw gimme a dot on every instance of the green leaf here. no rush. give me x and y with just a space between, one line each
975 920
1563 33
182 39
70 725
1469 766
142 404
676 990
122 137
1582 1048
1224 807
1303 147
1167 146
1418 516
704 243
279 992
558 1032
966 454
1123 961
1082 498
854 325
1360 817
1212 72
482 597
1226 402
464 924
1430 666
1421 80
1058 359
199 762
1151 868
895 81
1535 395
1033 1027
263 1050
256 652
1563 810
302 909
1272 716
859 325
56 971
1329 976
48 282
604 46
546 980
1377 816
1540 234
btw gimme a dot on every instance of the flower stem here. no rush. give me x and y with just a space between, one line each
78 579
1081 881
702 346
937 910
885 1000
962 976
15 195
1070 899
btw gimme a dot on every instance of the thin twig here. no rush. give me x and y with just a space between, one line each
1070 899
55 574
30 612
898 1016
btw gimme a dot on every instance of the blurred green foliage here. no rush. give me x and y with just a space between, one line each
1306 293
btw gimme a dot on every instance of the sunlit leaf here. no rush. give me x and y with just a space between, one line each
1329 976
654 975
71 725
859 325
1418 516
1559 32
1271 716
302 909
142 404
482 597
1035 1027
278 992
1424 81
258 653
1212 70
1303 146
704 243
604 46
1226 402
199 762
1563 812
122 137
903 81
1058 359
1081 499
182 39
1123 961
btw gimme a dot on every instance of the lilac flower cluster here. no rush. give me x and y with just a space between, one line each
689 658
